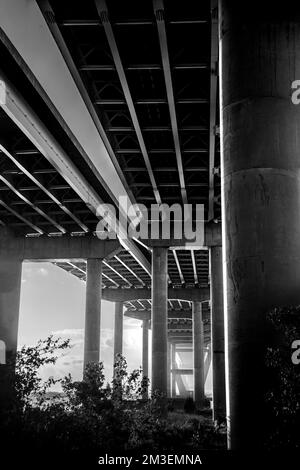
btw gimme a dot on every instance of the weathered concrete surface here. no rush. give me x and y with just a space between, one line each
217 334
212 236
122 295
260 168
10 286
145 354
169 369
173 366
66 247
159 319
118 329
198 354
92 311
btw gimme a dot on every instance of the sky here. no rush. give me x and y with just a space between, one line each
53 302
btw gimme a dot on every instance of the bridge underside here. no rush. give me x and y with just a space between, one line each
111 101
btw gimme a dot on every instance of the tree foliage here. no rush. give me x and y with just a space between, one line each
282 396
90 417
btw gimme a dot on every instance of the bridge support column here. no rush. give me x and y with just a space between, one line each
169 369
92 311
217 333
10 287
145 355
198 354
260 170
118 329
173 366
159 319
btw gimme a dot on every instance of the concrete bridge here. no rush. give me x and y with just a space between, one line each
156 102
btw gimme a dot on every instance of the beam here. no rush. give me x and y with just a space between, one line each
25 118
117 273
55 31
104 17
26 35
20 217
130 270
194 267
27 201
77 268
178 267
177 371
64 248
201 294
172 315
158 7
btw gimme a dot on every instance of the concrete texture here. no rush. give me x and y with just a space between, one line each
260 170
92 311
159 319
198 354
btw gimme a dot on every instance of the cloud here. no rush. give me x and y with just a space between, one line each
71 361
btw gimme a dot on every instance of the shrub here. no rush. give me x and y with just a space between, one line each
90 418
282 395
189 405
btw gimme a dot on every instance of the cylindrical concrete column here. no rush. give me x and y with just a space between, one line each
92 311
173 365
217 333
145 346
198 354
118 330
10 287
145 354
260 169
159 319
169 369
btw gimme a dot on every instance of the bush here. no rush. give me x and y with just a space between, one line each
90 418
282 395
189 405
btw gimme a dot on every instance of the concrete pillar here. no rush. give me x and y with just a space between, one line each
145 354
207 363
159 319
118 330
217 334
260 170
173 365
92 311
198 354
10 287
145 358
169 369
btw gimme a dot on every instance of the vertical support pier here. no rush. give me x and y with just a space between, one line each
118 329
10 289
217 334
198 354
145 354
260 170
159 319
92 311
